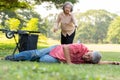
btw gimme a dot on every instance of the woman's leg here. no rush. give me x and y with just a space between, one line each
63 39
68 39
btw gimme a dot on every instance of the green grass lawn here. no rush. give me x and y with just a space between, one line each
45 71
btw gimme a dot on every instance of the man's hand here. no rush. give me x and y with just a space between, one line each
115 63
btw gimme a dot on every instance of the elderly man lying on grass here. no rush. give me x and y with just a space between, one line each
67 53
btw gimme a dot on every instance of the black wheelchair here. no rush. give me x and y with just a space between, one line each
26 39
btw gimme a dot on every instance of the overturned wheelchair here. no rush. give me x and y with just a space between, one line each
26 40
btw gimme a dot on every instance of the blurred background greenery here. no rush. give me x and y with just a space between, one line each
94 26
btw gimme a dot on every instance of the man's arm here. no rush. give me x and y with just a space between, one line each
67 53
109 62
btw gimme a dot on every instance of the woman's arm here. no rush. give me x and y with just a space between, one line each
56 25
67 53
74 20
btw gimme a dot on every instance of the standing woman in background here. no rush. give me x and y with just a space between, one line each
67 23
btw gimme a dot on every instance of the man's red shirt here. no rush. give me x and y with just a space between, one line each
76 53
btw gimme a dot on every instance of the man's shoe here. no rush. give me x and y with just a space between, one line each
10 57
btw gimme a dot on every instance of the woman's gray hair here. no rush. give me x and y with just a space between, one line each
68 3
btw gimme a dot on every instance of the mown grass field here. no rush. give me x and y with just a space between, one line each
45 71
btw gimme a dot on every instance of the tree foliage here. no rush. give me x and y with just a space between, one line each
8 9
13 23
113 34
15 4
31 25
29 20
93 25
6 15
19 19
